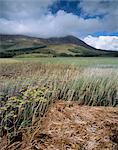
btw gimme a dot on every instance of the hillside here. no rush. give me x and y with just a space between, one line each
15 45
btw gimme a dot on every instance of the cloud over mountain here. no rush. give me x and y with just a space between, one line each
35 17
103 42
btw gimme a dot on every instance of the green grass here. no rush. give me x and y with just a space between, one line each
35 55
78 61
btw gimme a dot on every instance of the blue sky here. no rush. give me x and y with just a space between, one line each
68 6
94 21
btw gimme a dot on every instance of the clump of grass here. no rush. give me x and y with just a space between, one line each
96 91
88 86
23 110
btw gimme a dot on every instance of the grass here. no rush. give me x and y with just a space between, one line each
79 61
29 85
35 55
63 48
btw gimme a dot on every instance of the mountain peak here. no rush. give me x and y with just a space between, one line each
70 36
67 40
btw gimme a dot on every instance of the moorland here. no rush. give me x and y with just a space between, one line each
57 94
79 95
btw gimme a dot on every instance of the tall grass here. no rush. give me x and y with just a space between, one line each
27 90
63 81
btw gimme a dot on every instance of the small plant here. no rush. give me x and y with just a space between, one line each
22 111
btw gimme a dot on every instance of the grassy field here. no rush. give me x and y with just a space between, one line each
28 86
79 61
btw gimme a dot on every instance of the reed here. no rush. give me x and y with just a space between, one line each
27 90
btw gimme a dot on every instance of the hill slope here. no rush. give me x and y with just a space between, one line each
14 45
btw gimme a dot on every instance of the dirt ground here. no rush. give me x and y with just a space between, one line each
68 126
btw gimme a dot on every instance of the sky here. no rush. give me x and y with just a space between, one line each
93 21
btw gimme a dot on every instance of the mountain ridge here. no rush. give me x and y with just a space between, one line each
70 45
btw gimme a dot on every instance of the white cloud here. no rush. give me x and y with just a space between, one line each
24 9
13 27
98 7
33 17
106 10
103 42
49 25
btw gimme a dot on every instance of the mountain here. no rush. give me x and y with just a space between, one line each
68 39
15 45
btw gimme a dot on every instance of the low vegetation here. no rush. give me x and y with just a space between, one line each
27 89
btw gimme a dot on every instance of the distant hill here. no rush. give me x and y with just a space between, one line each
16 45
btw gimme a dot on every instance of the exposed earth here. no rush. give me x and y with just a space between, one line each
69 126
